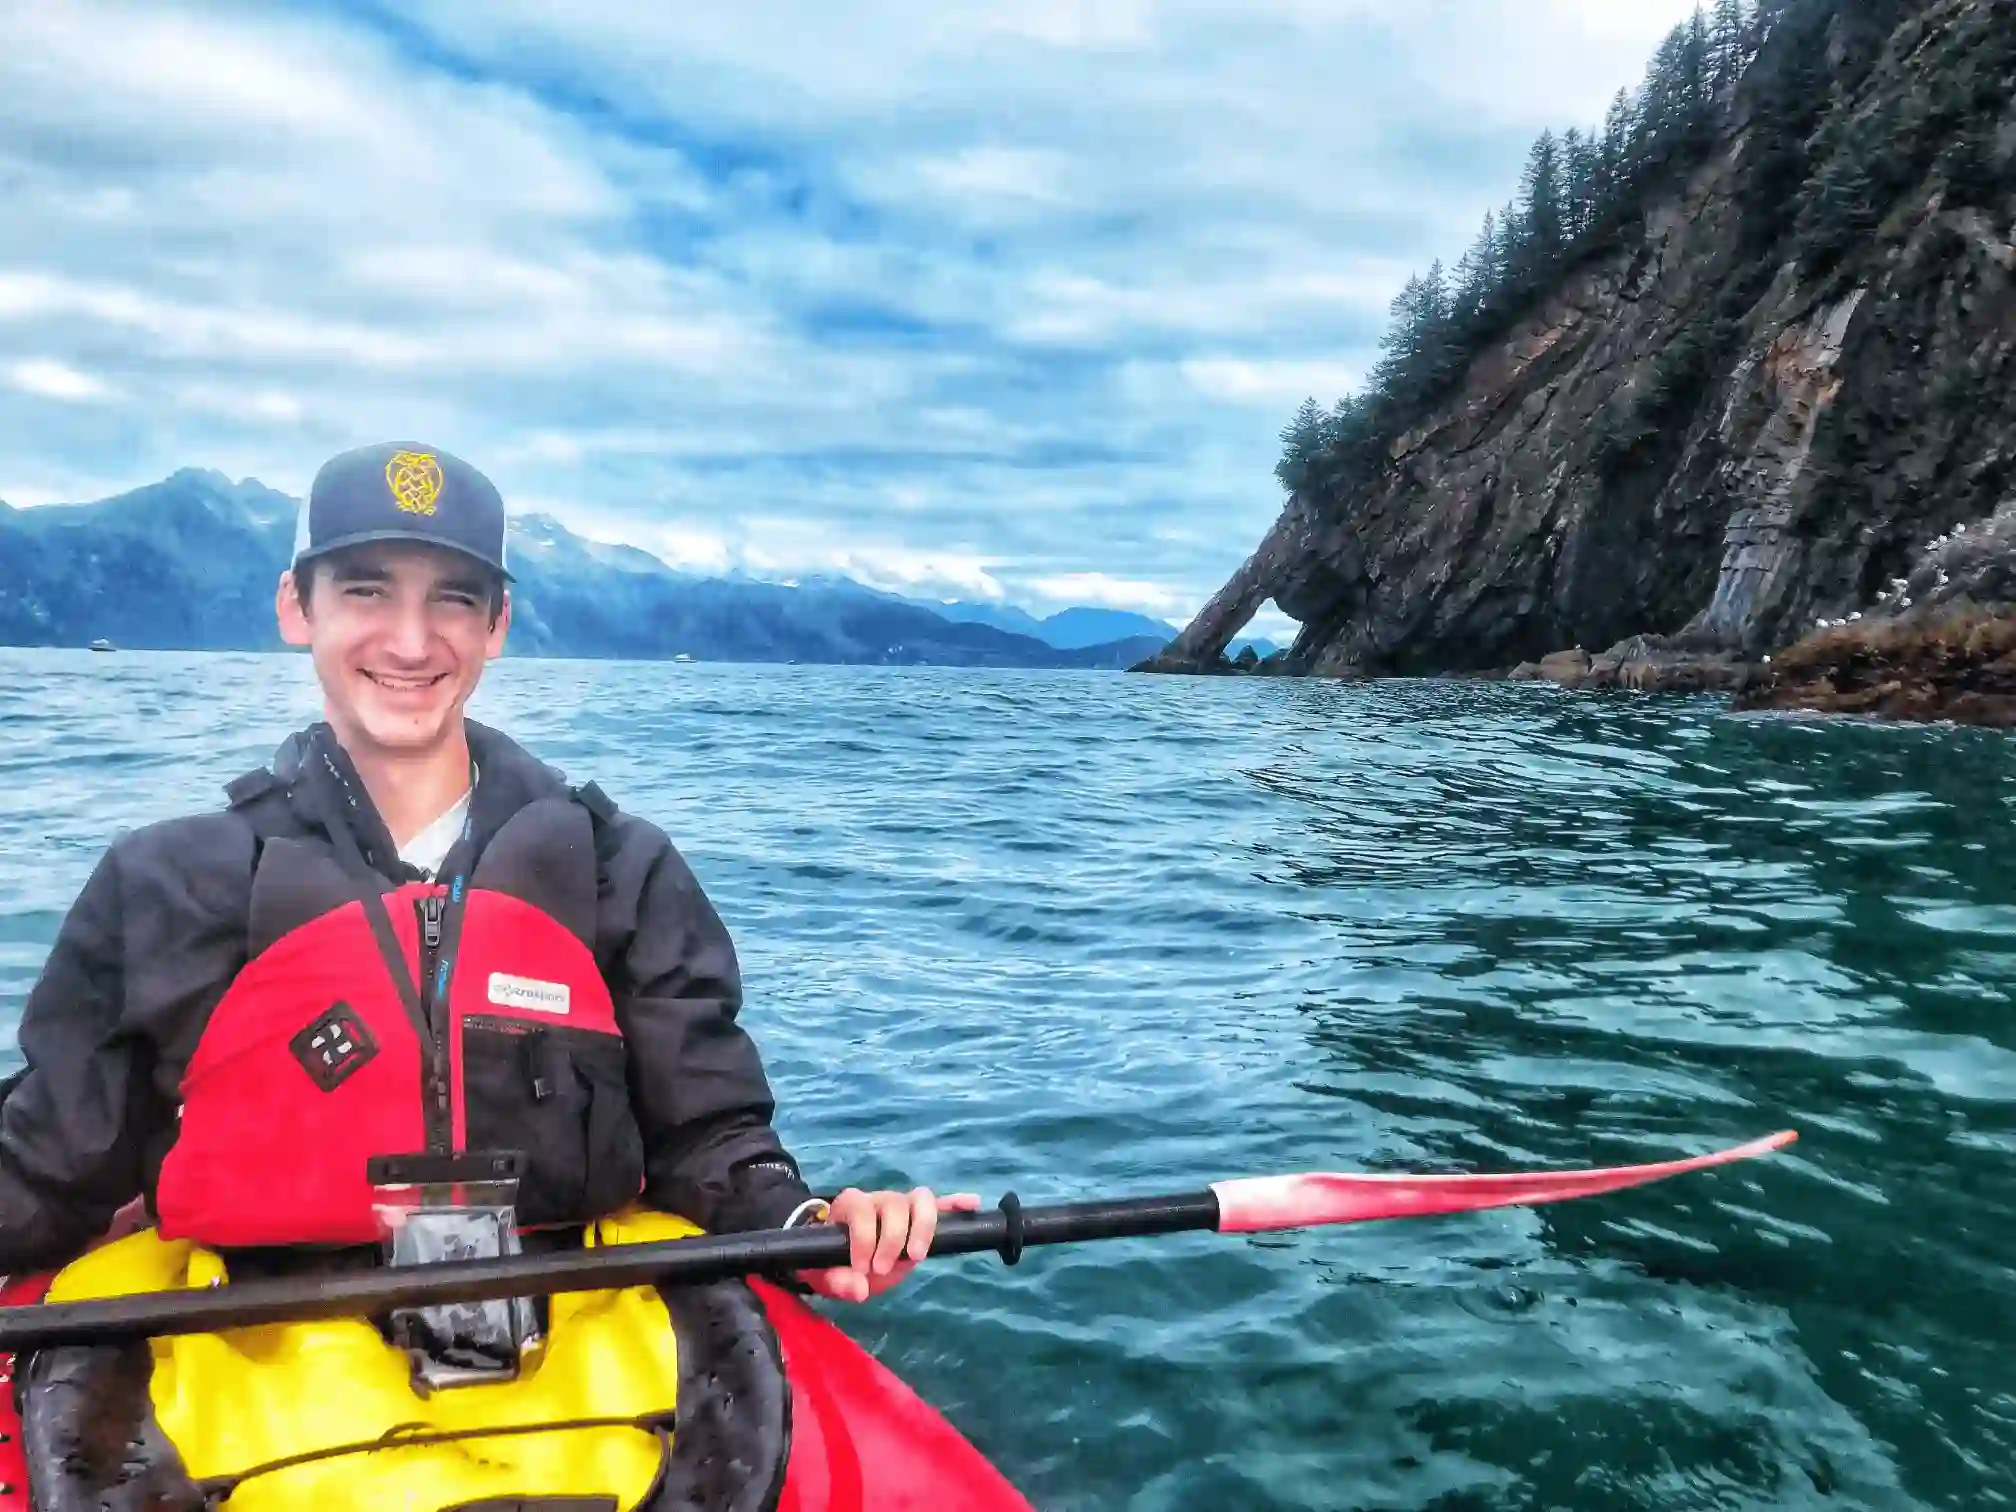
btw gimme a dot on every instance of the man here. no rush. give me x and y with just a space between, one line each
406 941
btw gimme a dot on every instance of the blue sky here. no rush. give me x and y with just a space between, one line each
968 300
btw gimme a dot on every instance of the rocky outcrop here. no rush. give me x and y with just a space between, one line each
1288 567
1940 642
1641 664
1568 669
1701 442
1957 663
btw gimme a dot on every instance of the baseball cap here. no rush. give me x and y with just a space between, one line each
397 491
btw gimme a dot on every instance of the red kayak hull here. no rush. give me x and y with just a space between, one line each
13 1463
861 1440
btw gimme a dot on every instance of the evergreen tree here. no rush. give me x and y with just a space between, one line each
1348 427
1397 346
1540 212
1301 442
1728 45
1662 112
1511 244
1476 278
1789 90
1844 200
1796 61
1507 248
1580 167
1697 84
1434 305
1764 18
1307 425
1618 170
1417 353
1434 345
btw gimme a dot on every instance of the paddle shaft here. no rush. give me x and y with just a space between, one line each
361 1294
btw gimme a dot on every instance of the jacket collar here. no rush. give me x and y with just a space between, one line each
323 789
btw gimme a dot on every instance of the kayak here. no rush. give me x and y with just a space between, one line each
750 1401
686 1385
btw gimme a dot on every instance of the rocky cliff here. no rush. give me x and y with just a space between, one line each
1749 412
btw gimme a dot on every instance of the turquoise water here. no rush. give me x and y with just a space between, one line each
1086 934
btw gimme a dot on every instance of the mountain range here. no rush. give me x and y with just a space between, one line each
189 563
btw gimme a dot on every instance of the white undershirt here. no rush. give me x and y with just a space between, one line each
428 849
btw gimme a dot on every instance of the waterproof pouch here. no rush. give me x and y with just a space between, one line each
433 1209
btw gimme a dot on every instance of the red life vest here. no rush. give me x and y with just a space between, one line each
318 1059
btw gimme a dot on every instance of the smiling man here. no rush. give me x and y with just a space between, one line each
407 942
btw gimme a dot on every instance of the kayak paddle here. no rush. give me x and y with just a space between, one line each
1243 1206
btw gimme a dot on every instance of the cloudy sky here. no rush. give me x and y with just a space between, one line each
971 299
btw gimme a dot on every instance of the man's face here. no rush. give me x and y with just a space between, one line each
399 633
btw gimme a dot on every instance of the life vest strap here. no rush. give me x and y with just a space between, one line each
218 1489
250 787
598 803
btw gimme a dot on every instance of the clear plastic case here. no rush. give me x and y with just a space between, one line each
437 1209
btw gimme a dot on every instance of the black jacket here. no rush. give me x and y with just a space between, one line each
160 930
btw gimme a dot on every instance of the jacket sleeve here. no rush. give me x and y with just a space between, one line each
697 1083
70 1152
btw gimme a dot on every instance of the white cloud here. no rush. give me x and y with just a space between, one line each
696 550
999 173
895 569
28 495
988 299
1271 624
1095 24
269 405
1270 384
1101 589
49 379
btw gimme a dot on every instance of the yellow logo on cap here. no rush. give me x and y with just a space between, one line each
415 480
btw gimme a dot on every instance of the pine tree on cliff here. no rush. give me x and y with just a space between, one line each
1619 170
1769 17
1496 262
1436 346
1728 45
1301 441
1696 84
1842 201
1417 350
1538 249
1802 192
1476 278
1511 238
1665 110
1579 171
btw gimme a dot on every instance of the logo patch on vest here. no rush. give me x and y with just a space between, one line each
334 1048
524 992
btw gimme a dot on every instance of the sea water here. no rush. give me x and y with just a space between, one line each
1080 934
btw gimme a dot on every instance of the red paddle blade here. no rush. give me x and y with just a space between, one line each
1257 1203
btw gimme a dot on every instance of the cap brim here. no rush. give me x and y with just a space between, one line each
369 537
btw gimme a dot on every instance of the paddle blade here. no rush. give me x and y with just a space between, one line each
1258 1203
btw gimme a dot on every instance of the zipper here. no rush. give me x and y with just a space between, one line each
431 908
438 1113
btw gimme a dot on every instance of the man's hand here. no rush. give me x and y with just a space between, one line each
889 1233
